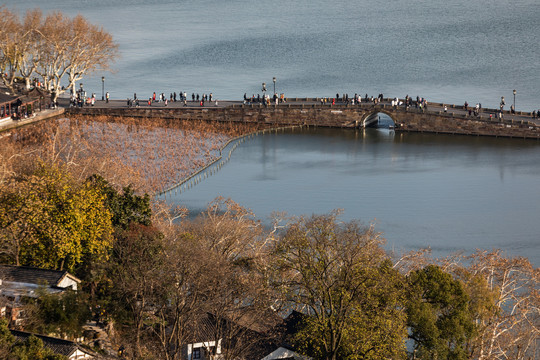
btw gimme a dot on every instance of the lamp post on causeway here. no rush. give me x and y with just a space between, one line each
274 80
102 88
514 99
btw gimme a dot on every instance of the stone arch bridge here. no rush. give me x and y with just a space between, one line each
312 112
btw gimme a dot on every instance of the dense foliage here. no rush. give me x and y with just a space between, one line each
60 314
31 349
439 317
126 207
49 220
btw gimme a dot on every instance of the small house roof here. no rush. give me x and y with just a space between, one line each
58 346
31 275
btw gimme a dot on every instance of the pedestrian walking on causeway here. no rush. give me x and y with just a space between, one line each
107 97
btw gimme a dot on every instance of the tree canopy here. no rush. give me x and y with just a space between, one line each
339 275
439 317
49 220
126 207
52 47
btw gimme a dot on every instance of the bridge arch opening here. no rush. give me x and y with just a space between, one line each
380 120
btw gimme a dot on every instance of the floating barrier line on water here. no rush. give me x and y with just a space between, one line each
194 178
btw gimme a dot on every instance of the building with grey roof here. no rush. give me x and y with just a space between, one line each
70 349
18 282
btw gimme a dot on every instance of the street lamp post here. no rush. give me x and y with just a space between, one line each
274 80
102 88
514 99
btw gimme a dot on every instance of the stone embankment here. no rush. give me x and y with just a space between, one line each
9 123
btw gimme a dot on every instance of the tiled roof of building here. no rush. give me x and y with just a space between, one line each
26 274
58 346
6 98
36 92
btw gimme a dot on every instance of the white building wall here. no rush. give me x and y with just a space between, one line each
67 282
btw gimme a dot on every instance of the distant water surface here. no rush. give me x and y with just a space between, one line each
452 50
450 193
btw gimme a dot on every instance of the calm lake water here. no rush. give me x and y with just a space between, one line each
450 193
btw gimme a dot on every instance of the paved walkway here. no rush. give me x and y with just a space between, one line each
434 108
9 123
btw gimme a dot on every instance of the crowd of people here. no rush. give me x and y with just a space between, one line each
181 96
265 99
80 99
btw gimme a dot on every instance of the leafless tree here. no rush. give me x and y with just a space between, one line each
31 46
235 298
91 49
52 47
510 329
11 46
138 270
